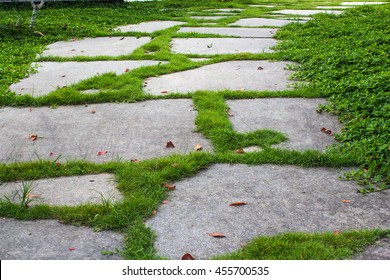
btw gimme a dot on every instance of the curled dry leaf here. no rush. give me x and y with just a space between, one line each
33 137
101 153
187 256
169 187
327 131
217 234
240 151
127 70
240 203
346 201
72 249
230 114
169 144
30 195
260 68
198 147
164 91
51 154
58 164
154 212
135 160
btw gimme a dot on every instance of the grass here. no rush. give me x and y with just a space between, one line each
346 58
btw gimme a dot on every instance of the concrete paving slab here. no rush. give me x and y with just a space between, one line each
307 12
231 31
233 75
99 132
257 22
379 251
211 46
296 117
265 6
70 191
107 46
149 27
51 240
209 17
280 199
54 75
361 3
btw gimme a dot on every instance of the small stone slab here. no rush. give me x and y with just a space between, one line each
69 191
212 46
257 22
296 117
280 199
54 75
232 75
307 12
238 32
99 132
105 46
149 27
209 17
361 3
51 240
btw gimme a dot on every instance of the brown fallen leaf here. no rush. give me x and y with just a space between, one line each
58 164
217 234
51 154
121 38
327 131
30 195
164 91
260 68
240 203
93 111
198 147
154 212
240 151
169 186
101 153
127 70
169 144
135 160
346 201
33 137
73 50
188 257
230 114
72 249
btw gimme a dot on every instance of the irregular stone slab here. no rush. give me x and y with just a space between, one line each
118 131
379 251
51 240
361 3
265 6
233 75
209 17
280 199
108 46
149 27
238 32
70 191
262 22
211 46
307 12
54 75
296 117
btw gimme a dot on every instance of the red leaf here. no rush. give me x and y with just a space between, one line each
72 249
238 203
217 234
169 187
327 131
135 160
51 154
240 151
346 201
33 137
169 144
187 256
101 153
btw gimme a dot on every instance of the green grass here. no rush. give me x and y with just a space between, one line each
346 58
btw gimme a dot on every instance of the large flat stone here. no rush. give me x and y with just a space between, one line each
257 22
51 240
238 32
125 131
54 75
281 199
296 117
149 27
209 17
105 46
211 46
307 12
70 191
233 75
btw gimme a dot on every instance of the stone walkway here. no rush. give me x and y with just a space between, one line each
277 198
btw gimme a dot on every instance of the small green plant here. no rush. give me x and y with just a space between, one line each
22 197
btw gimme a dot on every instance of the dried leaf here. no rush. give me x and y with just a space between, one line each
230 114
260 68
164 91
72 50
240 203
51 154
198 147
101 153
135 160
169 187
72 249
187 256
93 111
240 151
166 202
169 144
121 38
327 131
30 195
33 137
63 76
217 234
58 164
346 201
127 70
154 212
174 164
30 109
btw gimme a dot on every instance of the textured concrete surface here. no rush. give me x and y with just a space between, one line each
307 12
238 32
54 75
257 22
209 17
211 46
51 240
296 117
69 191
150 26
233 75
232 10
280 199
334 7
379 251
108 46
126 131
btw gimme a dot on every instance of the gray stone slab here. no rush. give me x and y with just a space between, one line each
107 46
307 12
70 191
257 22
265 6
361 3
125 131
233 75
379 251
296 117
149 27
238 32
51 240
281 199
209 17
212 46
54 75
